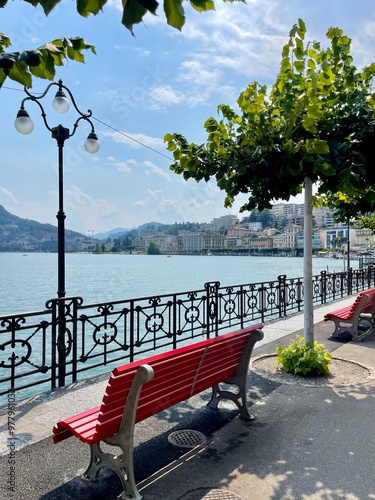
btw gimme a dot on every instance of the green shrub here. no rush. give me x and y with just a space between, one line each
300 358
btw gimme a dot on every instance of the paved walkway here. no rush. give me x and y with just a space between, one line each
305 443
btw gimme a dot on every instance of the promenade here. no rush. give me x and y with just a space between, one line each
305 443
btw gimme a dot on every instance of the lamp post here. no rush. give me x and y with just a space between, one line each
24 125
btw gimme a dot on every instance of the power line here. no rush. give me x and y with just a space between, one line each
132 138
115 129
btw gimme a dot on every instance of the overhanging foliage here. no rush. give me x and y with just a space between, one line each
41 63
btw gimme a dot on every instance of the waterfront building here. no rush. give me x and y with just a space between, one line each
167 243
291 234
291 212
364 239
317 239
255 227
278 241
260 242
224 221
192 242
233 242
323 217
334 235
238 231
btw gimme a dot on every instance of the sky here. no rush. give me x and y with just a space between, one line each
139 88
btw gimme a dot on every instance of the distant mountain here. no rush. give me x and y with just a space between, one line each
24 235
120 231
113 233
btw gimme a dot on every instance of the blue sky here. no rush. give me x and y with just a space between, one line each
140 88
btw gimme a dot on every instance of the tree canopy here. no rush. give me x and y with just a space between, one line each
314 125
316 122
41 62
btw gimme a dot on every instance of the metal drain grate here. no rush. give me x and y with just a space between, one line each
186 438
209 494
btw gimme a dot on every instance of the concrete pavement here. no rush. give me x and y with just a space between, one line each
305 443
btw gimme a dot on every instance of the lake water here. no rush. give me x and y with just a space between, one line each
28 281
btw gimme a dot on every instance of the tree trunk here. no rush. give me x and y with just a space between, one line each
307 266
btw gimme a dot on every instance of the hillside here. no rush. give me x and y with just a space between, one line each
24 235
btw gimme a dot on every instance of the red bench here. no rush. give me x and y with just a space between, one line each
138 390
357 319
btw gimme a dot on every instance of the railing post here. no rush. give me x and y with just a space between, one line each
262 291
174 320
282 295
212 307
323 287
61 352
350 280
241 297
76 302
131 331
370 276
58 348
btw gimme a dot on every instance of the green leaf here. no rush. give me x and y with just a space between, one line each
175 13
87 7
4 42
300 66
309 124
302 25
325 168
30 57
133 14
20 73
202 5
150 5
47 5
317 146
7 60
314 112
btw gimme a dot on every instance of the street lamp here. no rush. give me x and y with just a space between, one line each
24 125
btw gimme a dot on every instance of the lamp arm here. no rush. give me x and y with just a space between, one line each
35 99
75 126
83 115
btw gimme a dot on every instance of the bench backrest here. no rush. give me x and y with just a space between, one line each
363 299
369 306
178 375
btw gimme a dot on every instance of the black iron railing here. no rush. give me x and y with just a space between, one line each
100 336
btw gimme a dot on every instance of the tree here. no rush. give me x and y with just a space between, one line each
41 62
313 126
153 249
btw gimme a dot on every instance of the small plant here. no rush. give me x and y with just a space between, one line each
300 358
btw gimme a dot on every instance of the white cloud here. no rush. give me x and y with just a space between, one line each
121 166
187 209
151 168
135 140
165 95
81 203
6 196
